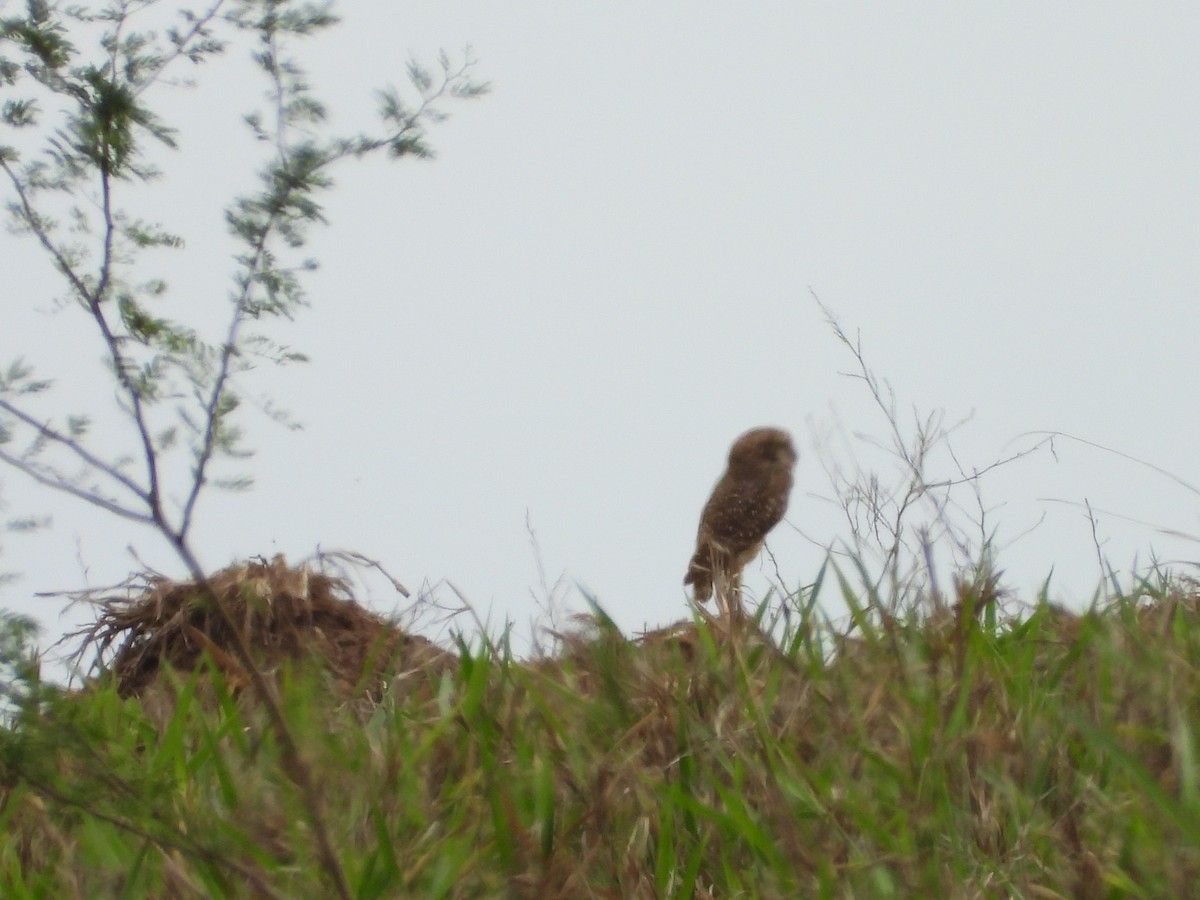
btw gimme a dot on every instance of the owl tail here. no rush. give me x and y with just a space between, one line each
699 573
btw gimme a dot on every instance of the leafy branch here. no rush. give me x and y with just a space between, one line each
170 381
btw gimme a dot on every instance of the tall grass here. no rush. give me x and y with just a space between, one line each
958 755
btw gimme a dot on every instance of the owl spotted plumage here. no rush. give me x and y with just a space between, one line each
748 501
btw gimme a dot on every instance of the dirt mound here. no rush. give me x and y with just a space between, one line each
283 613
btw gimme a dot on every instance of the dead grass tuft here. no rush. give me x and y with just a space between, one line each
284 614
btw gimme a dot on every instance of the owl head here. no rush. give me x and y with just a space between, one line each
763 446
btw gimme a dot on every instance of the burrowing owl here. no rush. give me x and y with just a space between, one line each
747 502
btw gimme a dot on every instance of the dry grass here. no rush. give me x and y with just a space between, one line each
284 613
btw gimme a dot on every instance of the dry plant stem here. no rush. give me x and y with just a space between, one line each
881 516
362 560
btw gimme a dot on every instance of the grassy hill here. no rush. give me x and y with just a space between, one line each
950 752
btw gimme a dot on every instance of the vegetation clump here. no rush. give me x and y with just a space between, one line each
283 613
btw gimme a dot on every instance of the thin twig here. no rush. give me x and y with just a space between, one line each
78 449
180 50
1050 435
59 484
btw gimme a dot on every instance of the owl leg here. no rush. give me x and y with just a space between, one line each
736 611
728 589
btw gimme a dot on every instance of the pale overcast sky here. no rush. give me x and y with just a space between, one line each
608 274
